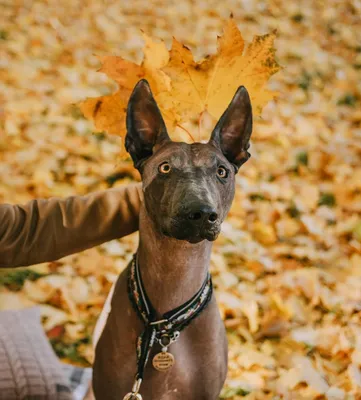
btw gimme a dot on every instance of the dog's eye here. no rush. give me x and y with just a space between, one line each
222 172
164 168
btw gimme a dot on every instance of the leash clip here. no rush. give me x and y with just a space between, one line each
134 395
166 340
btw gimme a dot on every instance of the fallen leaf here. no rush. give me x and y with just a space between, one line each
14 301
310 375
53 316
264 233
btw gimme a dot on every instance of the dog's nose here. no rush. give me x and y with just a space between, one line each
202 213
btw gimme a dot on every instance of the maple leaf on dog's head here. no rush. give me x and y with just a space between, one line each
108 112
184 89
210 84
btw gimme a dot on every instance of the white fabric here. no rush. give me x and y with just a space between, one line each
102 320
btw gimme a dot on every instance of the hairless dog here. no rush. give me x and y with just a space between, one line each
188 190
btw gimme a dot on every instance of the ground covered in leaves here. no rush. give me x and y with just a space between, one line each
287 267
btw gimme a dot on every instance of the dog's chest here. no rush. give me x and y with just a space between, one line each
199 353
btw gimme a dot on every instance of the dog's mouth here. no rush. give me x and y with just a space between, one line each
192 234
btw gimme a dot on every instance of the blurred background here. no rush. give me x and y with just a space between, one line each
287 267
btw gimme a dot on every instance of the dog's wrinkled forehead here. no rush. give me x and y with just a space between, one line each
183 155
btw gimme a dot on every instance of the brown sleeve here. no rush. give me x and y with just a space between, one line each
46 230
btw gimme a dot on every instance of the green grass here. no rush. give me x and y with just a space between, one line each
15 279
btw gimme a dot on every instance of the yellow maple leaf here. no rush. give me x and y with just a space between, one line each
183 88
108 112
210 84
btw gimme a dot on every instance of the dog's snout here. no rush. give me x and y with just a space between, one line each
202 213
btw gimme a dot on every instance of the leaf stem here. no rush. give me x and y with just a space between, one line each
199 125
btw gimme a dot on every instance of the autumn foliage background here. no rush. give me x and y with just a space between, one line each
287 267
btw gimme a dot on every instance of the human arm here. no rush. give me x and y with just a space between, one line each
48 229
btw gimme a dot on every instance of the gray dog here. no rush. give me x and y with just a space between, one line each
188 190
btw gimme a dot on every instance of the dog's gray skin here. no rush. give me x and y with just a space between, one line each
181 215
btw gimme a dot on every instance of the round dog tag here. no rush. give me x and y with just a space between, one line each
163 361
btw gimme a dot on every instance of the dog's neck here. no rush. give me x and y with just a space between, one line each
172 270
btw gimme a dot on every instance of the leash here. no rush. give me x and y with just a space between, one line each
164 331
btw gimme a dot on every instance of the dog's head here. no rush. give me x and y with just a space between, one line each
188 188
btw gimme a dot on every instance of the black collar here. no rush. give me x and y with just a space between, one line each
165 330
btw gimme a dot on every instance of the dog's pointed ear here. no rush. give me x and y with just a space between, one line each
145 125
233 130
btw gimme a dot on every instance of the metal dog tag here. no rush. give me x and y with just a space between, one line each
163 361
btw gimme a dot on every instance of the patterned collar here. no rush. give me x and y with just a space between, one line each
166 330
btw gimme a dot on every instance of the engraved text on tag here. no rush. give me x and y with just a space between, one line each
163 361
